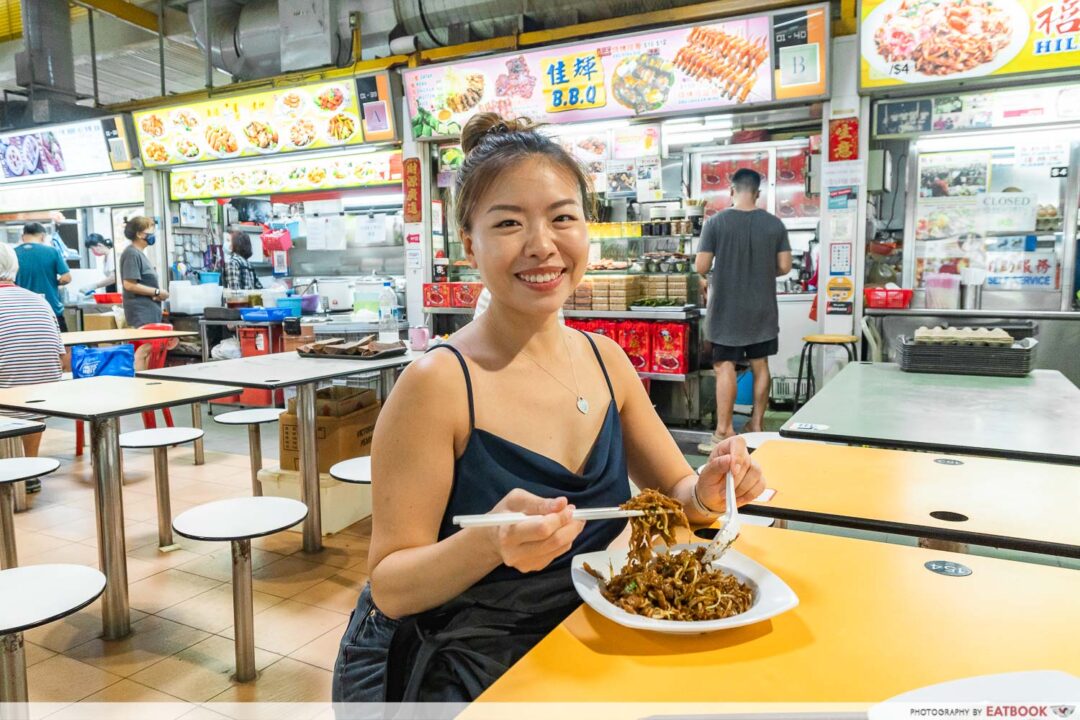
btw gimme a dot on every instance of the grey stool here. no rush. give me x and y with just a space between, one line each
32 596
160 439
356 471
12 471
238 520
253 418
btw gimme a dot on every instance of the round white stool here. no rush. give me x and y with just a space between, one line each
16 470
160 439
253 418
32 596
238 520
356 471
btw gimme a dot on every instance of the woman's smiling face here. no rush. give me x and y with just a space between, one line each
528 236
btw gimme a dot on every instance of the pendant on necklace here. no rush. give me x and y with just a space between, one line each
583 406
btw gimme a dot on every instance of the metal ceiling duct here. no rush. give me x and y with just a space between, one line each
47 65
258 38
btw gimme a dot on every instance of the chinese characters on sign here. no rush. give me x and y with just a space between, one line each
1059 24
574 82
843 139
1020 270
414 209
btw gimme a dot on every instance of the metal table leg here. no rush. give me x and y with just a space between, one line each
255 453
196 422
164 505
105 451
309 467
243 620
12 448
13 694
387 379
8 558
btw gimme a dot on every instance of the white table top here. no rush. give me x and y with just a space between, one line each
38 594
877 404
14 427
357 470
240 518
123 335
278 370
106 396
24 468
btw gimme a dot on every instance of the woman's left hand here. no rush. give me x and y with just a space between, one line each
749 480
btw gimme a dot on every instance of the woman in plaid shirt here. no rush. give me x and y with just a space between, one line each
238 272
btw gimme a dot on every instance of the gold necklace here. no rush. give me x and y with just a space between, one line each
582 403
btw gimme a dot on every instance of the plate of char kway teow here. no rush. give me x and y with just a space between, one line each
661 586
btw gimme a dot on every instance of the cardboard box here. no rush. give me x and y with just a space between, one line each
99 321
437 294
337 438
339 401
465 294
342 503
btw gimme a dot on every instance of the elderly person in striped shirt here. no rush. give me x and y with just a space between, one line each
30 345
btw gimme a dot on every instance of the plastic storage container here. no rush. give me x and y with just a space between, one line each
292 304
108 298
209 278
888 298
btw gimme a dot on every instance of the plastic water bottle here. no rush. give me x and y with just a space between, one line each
388 329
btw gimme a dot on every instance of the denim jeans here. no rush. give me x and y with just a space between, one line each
361 663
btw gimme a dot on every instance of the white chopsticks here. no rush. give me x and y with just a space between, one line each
509 518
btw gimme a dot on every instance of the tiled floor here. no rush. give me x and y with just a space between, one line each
181 648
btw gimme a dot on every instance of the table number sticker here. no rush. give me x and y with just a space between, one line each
809 426
950 569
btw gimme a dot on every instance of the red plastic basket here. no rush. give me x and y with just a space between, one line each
108 298
887 298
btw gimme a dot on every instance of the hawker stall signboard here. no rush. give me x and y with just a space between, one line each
287 175
327 115
911 42
88 147
742 61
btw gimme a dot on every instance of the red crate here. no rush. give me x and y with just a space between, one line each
887 298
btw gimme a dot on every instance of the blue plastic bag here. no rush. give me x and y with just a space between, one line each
93 361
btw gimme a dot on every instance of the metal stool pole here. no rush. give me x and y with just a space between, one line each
13 692
164 505
8 558
255 454
12 448
243 610
196 422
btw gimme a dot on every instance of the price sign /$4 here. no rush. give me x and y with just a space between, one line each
574 82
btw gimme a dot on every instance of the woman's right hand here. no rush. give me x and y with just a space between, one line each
532 544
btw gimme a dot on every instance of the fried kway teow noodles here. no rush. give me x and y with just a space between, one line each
669 586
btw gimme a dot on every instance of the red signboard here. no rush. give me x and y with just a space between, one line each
843 139
414 208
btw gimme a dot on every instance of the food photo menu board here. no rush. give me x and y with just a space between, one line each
88 147
909 42
292 175
741 61
333 114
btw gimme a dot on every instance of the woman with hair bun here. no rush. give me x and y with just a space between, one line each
516 413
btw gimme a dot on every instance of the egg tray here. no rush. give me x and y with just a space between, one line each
1015 361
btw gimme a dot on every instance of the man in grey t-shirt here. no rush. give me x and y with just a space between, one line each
746 249
142 292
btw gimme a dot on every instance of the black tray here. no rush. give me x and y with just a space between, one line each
1015 361
377 356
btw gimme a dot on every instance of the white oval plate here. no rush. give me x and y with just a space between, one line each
772 595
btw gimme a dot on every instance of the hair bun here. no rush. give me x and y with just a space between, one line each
483 124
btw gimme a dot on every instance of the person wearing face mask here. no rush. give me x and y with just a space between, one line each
100 246
239 274
142 293
518 413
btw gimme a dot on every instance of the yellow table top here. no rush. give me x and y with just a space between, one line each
98 337
1025 501
872 623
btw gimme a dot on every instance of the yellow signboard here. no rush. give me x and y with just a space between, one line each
287 175
910 42
573 82
266 123
840 289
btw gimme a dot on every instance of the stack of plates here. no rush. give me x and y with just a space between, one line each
1015 361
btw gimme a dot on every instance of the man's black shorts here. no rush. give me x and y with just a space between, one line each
727 353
